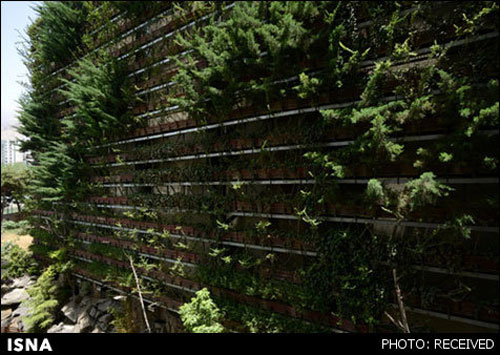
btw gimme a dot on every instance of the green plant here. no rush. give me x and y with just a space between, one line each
18 261
201 314
15 180
43 299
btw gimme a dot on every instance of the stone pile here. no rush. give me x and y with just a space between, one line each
82 314
13 292
86 315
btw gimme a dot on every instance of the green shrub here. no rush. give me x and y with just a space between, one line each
42 301
201 315
23 226
9 225
19 261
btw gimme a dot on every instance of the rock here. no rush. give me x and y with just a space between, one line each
71 310
83 324
103 306
17 323
93 312
55 328
4 289
61 328
159 327
22 282
6 314
21 311
13 297
105 319
86 301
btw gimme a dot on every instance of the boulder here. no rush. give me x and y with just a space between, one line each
17 323
71 310
21 311
83 324
105 319
22 282
86 301
104 305
61 328
5 322
93 312
6 314
14 297
4 289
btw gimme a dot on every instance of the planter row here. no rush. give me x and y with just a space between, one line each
239 237
462 308
459 308
173 280
283 275
167 302
431 213
333 134
273 306
475 263
269 174
142 248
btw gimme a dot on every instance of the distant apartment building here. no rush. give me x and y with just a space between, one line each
11 153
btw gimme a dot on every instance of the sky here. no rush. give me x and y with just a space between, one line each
16 16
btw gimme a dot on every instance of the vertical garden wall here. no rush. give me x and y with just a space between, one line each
317 166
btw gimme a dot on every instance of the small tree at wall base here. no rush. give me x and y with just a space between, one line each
201 315
15 178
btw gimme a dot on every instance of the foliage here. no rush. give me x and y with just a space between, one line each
15 181
356 290
243 42
18 261
57 33
201 314
358 90
43 300
21 227
101 95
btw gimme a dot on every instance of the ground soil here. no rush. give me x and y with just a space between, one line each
24 241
